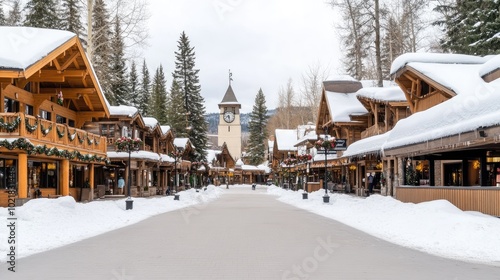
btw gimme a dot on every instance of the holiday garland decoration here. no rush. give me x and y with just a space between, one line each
31 128
10 126
31 149
80 138
44 130
59 133
176 154
71 137
60 98
290 161
90 141
304 157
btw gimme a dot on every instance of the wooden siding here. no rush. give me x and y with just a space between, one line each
482 199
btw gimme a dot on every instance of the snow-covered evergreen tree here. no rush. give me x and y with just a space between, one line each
145 91
14 18
42 13
159 97
176 114
101 55
118 74
471 27
2 14
133 83
187 77
71 17
258 132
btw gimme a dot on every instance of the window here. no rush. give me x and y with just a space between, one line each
10 105
108 130
28 110
71 123
8 174
45 115
60 119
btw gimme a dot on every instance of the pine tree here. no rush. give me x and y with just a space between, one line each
119 82
42 13
471 27
258 131
2 14
14 18
187 77
176 115
133 82
101 57
71 17
145 91
159 97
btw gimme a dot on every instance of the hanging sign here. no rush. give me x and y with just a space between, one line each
340 145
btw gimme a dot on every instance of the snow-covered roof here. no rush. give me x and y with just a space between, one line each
343 105
150 122
435 58
462 113
212 155
490 66
310 136
122 110
264 167
461 78
23 46
384 94
374 83
165 129
181 142
286 139
321 157
166 158
367 145
135 155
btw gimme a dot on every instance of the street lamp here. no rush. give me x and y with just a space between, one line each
176 154
128 145
305 158
325 145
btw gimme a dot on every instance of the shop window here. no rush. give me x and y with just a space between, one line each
43 174
452 173
8 174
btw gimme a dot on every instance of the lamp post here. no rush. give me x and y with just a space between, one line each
326 145
305 159
129 145
176 154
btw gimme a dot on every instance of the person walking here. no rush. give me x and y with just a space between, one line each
370 184
121 184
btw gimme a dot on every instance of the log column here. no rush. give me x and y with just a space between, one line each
64 177
22 167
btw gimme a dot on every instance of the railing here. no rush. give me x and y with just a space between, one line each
19 125
482 199
373 130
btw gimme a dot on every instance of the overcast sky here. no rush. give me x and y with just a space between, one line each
263 42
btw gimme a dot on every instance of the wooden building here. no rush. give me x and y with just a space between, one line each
49 94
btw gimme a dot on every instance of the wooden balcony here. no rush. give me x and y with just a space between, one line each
43 132
373 130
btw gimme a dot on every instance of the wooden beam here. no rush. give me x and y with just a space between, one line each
58 73
68 62
68 91
23 96
56 64
86 98
11 73
52 55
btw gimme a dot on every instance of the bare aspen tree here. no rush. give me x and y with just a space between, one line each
311 89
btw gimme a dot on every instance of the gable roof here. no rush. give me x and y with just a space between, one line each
286 139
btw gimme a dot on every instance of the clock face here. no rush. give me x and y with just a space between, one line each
229 117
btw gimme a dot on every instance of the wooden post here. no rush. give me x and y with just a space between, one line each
64 177
22 167
91 178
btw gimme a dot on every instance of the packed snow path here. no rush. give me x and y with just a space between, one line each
244 234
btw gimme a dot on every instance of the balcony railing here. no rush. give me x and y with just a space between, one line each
373 130
19 125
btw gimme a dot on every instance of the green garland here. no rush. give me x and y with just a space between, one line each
80 139
59 133
30 128
31 149
71 137
89 141
44 130
12 126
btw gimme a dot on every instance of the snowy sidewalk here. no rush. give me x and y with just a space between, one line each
244 234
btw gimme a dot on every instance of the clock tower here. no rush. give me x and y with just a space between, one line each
229 129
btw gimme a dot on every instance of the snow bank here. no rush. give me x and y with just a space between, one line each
44 224
436 227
